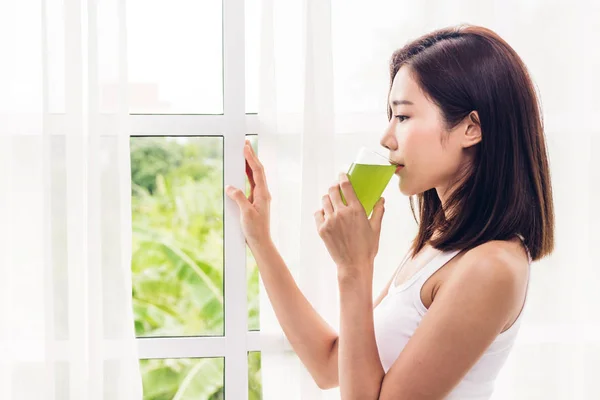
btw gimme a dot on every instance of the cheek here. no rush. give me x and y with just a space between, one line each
425 158
421 146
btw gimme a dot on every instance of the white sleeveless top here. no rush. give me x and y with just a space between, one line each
398 315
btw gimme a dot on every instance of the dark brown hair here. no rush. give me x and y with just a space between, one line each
507 191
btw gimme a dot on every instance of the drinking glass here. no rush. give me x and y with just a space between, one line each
369 174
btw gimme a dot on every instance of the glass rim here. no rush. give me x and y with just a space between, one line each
372 151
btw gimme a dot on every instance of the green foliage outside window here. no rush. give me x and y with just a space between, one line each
177 261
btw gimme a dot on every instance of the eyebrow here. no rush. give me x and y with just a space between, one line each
401 102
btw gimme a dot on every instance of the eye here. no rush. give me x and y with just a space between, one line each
401 118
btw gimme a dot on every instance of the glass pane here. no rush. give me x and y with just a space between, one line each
175 56
183 378
177 260
252 54
252 268
253 297
254 376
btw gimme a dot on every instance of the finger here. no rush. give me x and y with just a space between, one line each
250 176
258 171
251 148
319 218
348 190
377 215
327 206
336 197
238 196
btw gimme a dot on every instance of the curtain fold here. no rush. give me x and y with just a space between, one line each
66 318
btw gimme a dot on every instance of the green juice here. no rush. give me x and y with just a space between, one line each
369 182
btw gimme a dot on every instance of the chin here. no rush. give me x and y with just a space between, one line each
405 190
408 190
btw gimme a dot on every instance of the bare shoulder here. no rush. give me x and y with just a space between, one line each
505 255
498 266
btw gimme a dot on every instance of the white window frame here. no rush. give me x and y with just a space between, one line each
233 126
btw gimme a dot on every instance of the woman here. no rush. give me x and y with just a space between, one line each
466 132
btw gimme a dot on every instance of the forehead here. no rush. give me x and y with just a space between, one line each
404 87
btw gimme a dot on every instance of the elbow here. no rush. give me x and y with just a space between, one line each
327 377
327 380
326 384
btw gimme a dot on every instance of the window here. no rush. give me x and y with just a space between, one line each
178 265
195 284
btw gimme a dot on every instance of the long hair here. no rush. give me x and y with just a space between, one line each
507 191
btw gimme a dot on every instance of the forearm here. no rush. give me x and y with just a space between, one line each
309 334
360 370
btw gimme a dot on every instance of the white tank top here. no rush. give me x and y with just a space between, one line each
398 315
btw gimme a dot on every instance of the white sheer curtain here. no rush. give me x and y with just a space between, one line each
324 81
66 323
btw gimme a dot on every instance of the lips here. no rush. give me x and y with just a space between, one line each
399 167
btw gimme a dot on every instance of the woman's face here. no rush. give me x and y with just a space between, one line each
414 138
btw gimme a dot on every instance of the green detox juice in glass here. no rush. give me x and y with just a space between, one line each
369 182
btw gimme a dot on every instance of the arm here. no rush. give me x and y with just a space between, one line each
313 340
334 356
467 314
360 369
310 336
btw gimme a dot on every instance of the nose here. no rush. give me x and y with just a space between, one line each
388 140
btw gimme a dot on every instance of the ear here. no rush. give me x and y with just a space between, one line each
472 134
